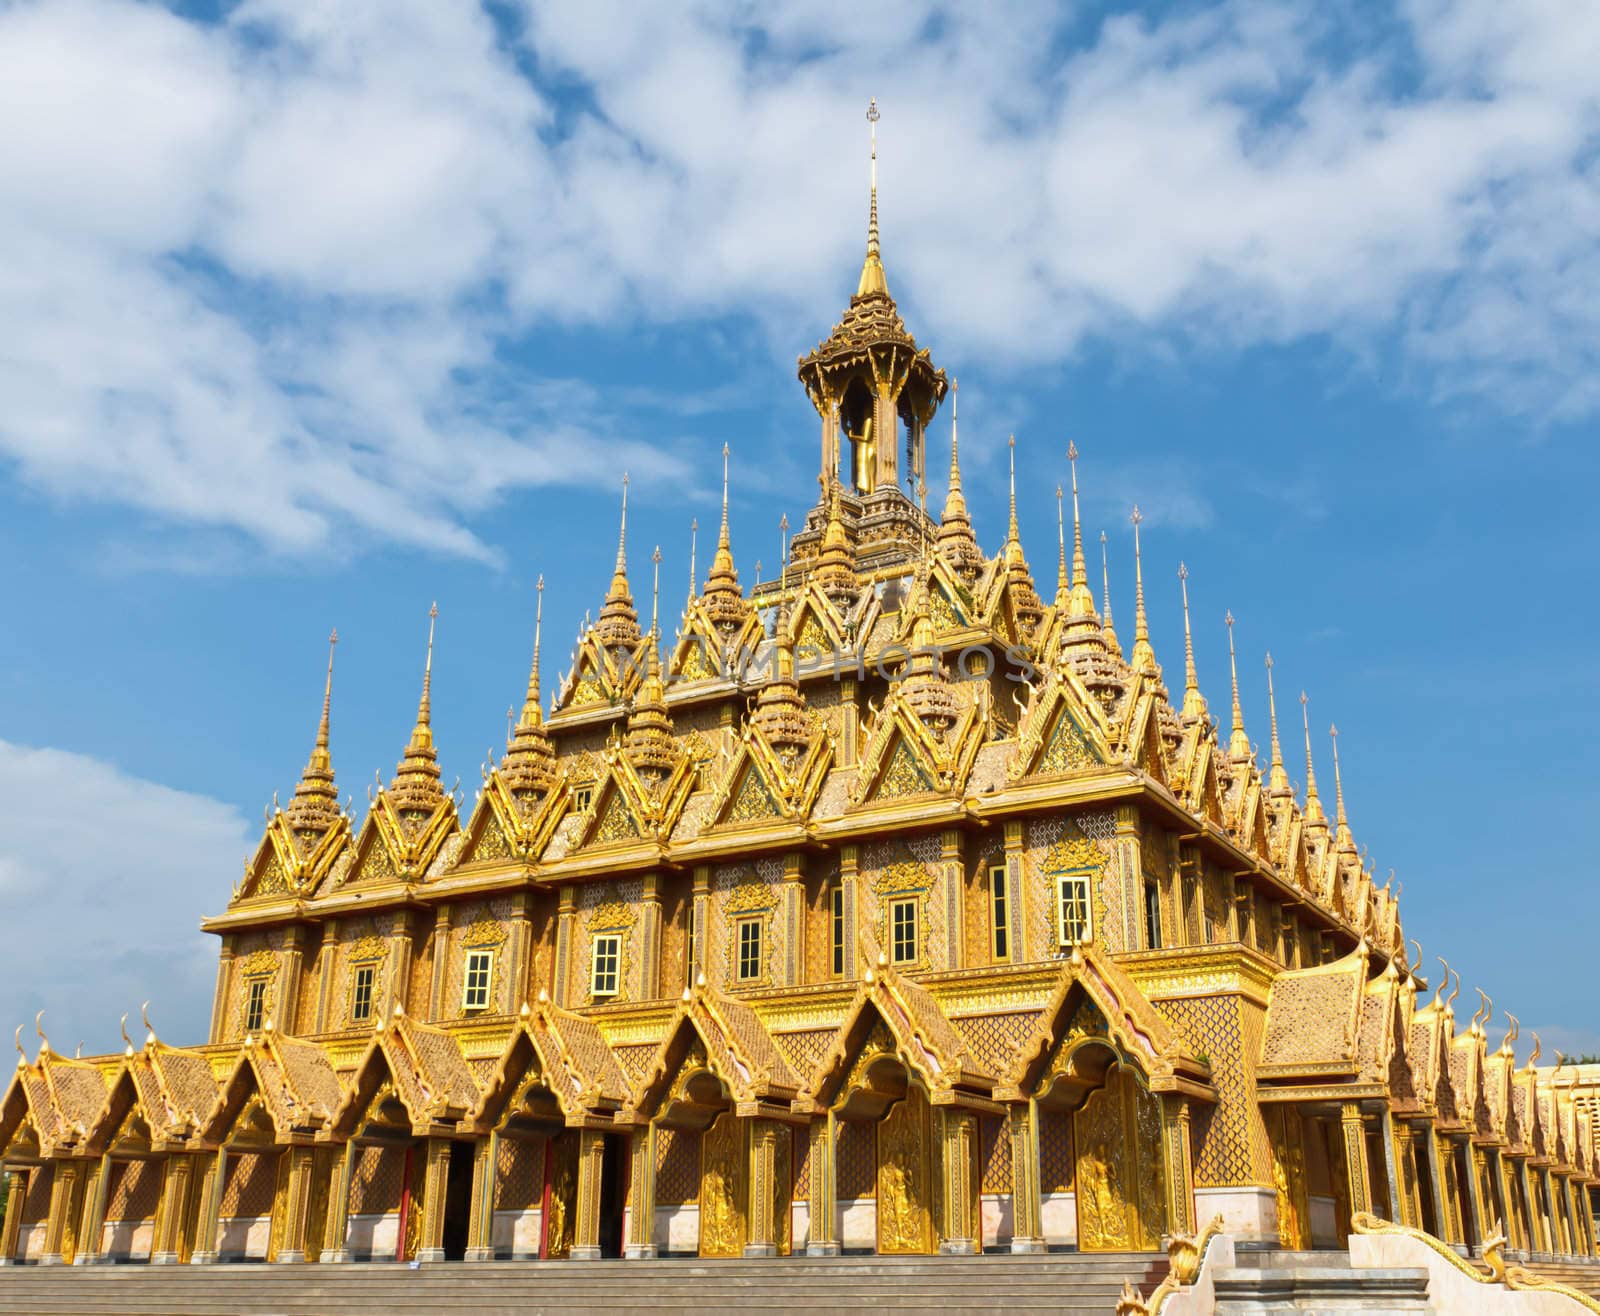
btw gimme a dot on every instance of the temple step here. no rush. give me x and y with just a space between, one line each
795 1286
1324 1282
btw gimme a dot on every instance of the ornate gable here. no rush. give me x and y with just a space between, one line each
627 810
603 676
291 863
506 827
562 1053
421 1066
1062 731
715 1035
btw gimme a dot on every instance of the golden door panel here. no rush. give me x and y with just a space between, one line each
1120 1184
1285 1133
563 1194
280 1202
723 1187
783 1189
905 1196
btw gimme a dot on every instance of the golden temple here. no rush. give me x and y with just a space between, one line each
891 906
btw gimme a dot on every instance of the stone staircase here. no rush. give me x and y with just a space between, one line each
1321 1282
794 1286
1581 1275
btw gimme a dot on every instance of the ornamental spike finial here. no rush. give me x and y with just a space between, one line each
872 277
425 706
1278 776
1238 742
1012 535
1345 839
694 536
622 532
1063 581
1144 657
655 598
1314 814
1080 572
1194 703
327 696
1105 584
315 804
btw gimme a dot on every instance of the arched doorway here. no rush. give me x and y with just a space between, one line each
885 1104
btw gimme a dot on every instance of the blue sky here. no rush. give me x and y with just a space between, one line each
313 316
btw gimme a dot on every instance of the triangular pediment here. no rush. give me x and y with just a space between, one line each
706 652
714 1035
904 758
1062 731
289 864
413 1066
602 676
758 786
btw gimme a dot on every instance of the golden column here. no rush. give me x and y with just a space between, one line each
1016 902
642 1194
293 960
93 1229
485 1173
699 923
1355 1157
1426 1144
953 880
209 1223
1402 1172
823 1208
960 1230
519 951
335 1235
431 1246
1513 1225
849 871
11 1227
219 999
325 962
1027 1227
761 1237
566 919
297 1203
586 1223
399 983
1178 1148
650 939
167 1249
1530 1199
66 1198
441 962
791 920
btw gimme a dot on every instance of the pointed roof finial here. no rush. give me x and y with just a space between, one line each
1194 703
1238 742
724 598
872 277
1063 581
1080 571
655 597
956 542
1314 815
618 622
1278 776
1109 627
416 779
530 761
1346 841
783 551
316 803
1144 657
694 539
1012 534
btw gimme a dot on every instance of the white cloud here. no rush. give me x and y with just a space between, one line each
103 878
260 274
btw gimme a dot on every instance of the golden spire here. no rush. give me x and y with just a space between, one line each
1144 657
1314 815
416 779
872 280
1238 742
956 542
315 805
1063 581
724 600
1194 703
1346 841
835 570
1082 595
619 622
1278 778
1109 628
650 745
530 761
1013 536
694 539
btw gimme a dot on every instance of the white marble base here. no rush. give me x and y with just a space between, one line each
375 1237
858 1223
995 1211
1249 1214
1058 1213
1324 1222
245 1236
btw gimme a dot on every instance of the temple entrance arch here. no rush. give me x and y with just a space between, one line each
886 1096
28 1192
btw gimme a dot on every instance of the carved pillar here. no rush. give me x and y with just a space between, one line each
1563 1201
61 1224
209 1223
325 963
641 1245
11 1226
1177 1148
485 1169
297 1203
699 925
431 1245
952 893
849 859
849 723
293 961
586 1223
1444 1160
1394 1169
960 1233
823 1208
1428 1141
441 962
399 984
336 1234
1027 1227
219 999
650 939
566 919
1191 914
1586 1204
1530 1206
1472 1199
91 1231
167 1249
791 964
1508 1203
1016 897
1244 906
1355 1157
1130 869
761 1238
519 952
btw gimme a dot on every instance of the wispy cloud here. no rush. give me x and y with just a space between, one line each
262 274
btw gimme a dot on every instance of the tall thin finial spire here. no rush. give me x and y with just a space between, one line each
538 637
1194 703
622 533
872 276
1314 812
530 761
416 779
1063 581
1011 450
783 551
315 804
655 596
618 623
722 535
425 707
1238 742
1345 839
694 537
1144 657
1278 776
1105 585
327 696
957 544
1080 572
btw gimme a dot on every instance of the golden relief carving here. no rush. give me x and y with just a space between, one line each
1286 1142
368 950
491 841
753 800
905 1219
752 896
1119 1179
485 932
617 823
1068 746
904 775
722 1187
612 916
563 1194
586 690
418 1206
258 964
694 666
